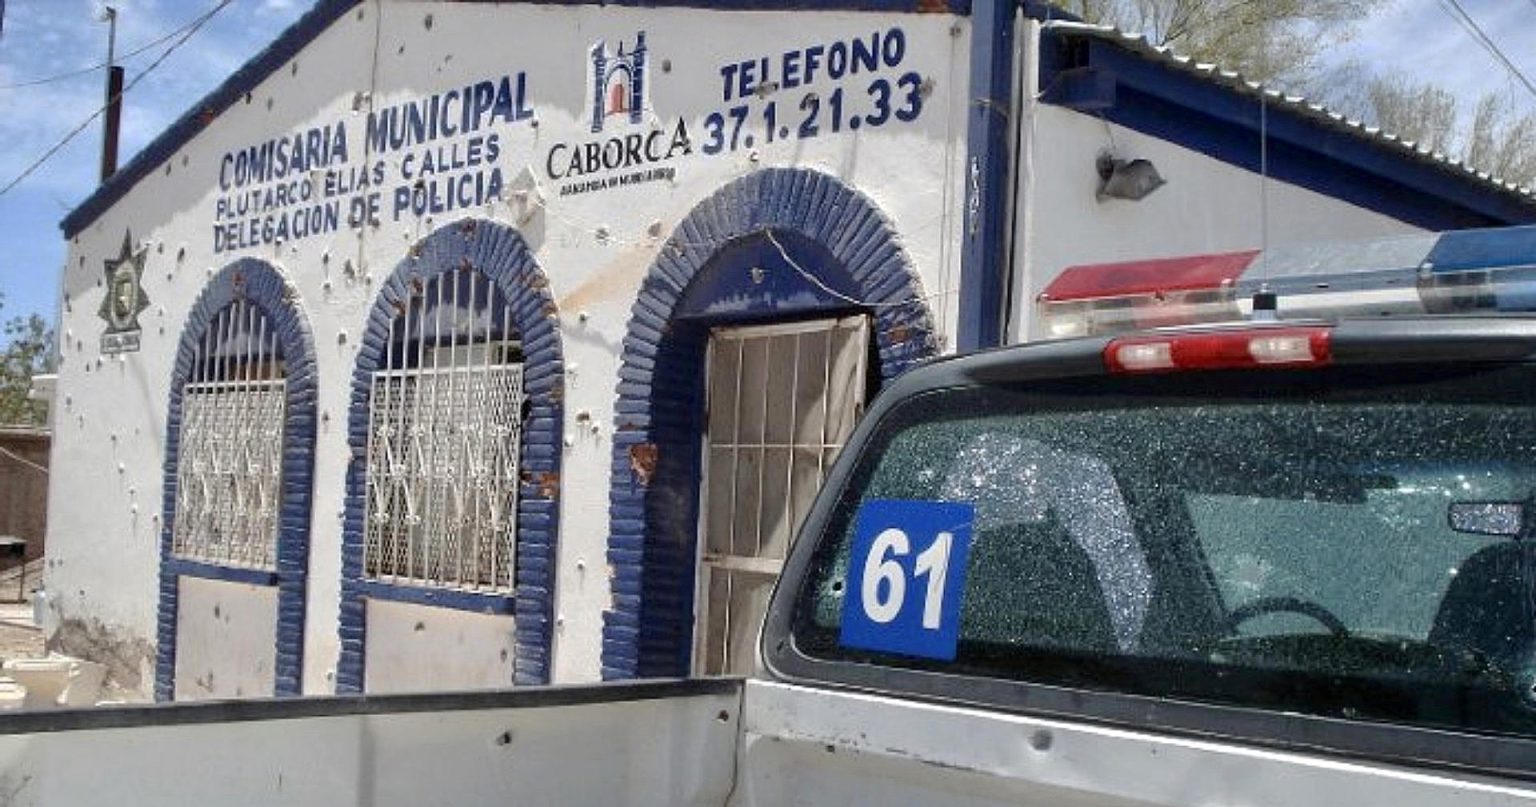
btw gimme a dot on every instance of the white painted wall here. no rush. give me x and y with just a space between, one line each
416 648
225 639
595 248
1207 206
111 420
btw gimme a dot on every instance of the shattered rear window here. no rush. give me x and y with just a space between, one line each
1272 540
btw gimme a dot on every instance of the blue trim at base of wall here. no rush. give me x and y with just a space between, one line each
500 253
500 604
225 574
659 412
262 286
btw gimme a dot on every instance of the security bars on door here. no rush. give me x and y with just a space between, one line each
229 471
782 400
445 430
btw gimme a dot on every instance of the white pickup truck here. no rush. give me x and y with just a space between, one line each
1281 563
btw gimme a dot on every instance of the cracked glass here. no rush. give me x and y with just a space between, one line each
1273 540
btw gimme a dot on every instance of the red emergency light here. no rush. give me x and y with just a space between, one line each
1220 350
1111 297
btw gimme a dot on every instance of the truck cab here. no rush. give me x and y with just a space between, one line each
1256 563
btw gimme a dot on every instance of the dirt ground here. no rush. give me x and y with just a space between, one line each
17 641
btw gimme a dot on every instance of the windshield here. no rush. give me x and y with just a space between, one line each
1270 540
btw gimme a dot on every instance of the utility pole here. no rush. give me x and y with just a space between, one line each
114 104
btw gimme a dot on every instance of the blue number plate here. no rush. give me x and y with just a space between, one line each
906 576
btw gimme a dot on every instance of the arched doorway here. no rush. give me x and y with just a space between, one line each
800 269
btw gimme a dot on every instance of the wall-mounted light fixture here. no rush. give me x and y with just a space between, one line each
1131 180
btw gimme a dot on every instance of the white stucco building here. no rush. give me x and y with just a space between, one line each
461 344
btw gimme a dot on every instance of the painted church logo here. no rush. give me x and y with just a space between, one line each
124 299
618 83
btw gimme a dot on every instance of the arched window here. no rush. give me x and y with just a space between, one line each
446 409
230 472
239 466
453 487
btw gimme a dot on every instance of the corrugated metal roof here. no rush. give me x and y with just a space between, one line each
1317 113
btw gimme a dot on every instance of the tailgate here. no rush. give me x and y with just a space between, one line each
649 743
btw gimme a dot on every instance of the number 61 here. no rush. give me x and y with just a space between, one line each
881 565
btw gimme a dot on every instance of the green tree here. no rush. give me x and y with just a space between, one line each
28 351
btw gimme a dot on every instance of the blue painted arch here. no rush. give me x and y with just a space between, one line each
499 253
741 255
262 286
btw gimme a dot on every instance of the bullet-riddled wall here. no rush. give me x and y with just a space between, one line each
580 162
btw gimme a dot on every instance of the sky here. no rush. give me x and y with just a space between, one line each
47 38
44 38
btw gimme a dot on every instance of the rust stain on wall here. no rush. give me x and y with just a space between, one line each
548 483
616 279
642 460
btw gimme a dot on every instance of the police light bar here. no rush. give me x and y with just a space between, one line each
1454 272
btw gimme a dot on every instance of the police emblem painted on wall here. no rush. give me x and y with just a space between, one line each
618 83
124 299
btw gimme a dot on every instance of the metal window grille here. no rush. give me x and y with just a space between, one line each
229 468
445 431
782 400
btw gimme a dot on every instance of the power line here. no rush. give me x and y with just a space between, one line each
42 469
191 29
1458 13
129 55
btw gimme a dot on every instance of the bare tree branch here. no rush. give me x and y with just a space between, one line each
1496 141
1266 40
